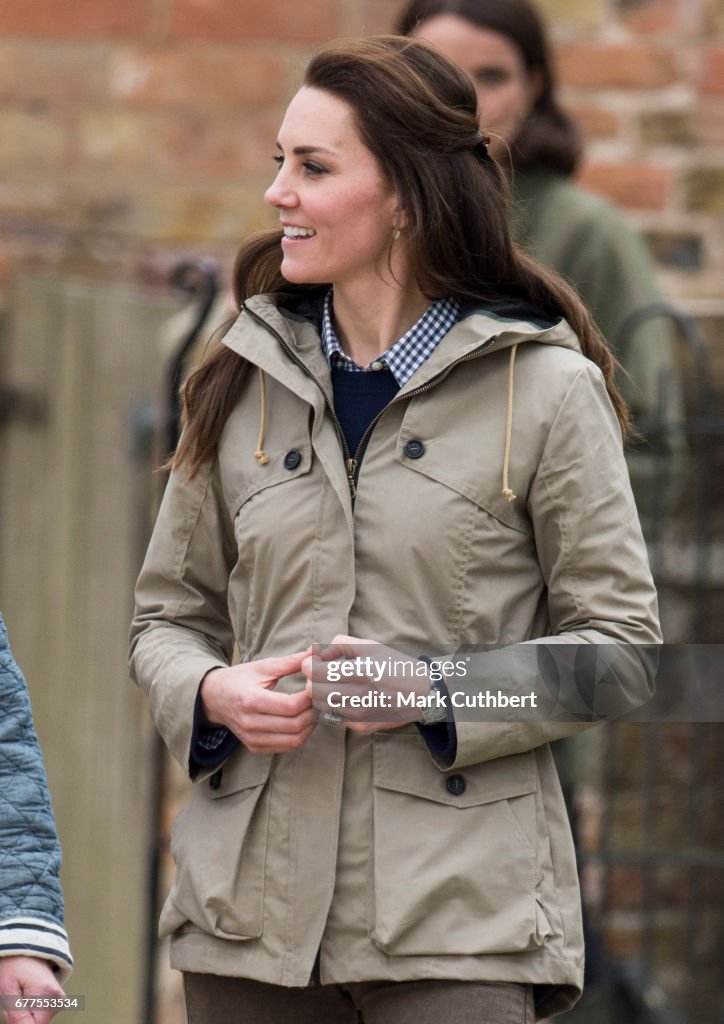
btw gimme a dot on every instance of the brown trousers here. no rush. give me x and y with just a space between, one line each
211 999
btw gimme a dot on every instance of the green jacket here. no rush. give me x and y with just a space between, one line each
362 845
586 240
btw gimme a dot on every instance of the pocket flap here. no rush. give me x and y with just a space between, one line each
402 763
477 477
283 466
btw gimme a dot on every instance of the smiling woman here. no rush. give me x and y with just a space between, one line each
409 437
338 211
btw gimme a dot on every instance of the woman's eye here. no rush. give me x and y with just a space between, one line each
278 159
311 167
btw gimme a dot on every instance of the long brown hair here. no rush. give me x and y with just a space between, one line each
417 113
548 137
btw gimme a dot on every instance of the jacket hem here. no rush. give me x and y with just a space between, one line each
204 954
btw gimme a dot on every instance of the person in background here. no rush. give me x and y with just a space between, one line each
502 45
35 957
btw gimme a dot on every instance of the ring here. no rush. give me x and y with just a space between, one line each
331 718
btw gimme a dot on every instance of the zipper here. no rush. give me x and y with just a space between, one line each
352 462
364 441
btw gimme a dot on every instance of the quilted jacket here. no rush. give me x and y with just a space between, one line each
31 900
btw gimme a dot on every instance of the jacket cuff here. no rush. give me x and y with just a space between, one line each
210 745
33 936
172 695
442 741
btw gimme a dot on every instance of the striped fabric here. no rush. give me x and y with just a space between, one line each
31 936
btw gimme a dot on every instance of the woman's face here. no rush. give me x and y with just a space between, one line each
506 91
337 209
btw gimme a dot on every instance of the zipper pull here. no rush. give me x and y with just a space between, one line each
351 467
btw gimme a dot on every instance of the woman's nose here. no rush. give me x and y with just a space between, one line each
279 192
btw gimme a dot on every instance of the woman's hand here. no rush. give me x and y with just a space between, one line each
386 690
25 976
243 699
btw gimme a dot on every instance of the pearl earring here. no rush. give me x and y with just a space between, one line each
395 234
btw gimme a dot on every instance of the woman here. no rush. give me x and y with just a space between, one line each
502 45
400 439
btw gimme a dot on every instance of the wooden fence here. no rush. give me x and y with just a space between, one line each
80 368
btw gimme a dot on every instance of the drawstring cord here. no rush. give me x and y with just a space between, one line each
509 496
262 458
260 455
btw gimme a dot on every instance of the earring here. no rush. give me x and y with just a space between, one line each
395 234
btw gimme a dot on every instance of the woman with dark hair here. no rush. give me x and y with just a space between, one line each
502 44
410 439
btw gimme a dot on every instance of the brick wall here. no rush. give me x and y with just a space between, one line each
136 132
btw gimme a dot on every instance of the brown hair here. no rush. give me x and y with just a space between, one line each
548 137
416 111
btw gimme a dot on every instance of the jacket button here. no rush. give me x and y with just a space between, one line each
414 449
456 785
292 459
215 780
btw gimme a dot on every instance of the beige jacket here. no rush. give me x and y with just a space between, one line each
355 845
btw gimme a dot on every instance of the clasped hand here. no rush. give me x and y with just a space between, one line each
365 686
243 697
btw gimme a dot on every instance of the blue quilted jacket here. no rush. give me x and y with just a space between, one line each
31 900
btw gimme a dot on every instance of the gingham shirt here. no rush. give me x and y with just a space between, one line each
408 353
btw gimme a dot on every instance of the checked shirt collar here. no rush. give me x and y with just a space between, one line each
408 353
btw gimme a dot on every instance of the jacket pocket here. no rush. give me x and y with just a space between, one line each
470 472
219 844
455 867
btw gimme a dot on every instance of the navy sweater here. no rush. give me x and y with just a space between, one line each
358 398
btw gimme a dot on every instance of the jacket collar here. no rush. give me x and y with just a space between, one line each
281 339
298 362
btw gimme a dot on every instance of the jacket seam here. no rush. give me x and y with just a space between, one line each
554 870
316 587
562 514
459 586
291 874
371 922
183 553
334 833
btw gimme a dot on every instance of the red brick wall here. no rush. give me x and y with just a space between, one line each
136 132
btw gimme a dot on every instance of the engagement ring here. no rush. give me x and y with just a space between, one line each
331 718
